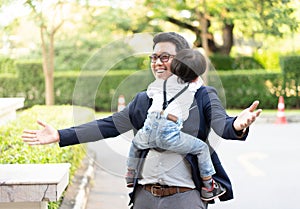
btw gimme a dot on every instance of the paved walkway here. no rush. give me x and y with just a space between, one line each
109 189
108 192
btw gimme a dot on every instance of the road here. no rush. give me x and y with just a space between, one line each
264 170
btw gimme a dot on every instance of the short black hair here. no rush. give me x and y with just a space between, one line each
188 64
179 41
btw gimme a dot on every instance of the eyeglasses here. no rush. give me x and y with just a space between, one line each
164 57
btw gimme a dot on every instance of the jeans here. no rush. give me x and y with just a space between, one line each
159 132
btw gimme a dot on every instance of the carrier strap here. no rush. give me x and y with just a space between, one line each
166 103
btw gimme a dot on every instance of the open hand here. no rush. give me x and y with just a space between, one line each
247 117
46 135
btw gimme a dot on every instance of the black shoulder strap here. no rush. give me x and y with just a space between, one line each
166 103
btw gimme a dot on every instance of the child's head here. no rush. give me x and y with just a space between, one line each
188 64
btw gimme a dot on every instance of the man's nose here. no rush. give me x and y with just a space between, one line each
158 61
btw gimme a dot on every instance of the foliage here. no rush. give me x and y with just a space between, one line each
243 87
98 27
15 151
7 65
31 80
269 59
249 19
9 85
291 72
72 54
94 88
272 18
141 62
290 66
223 62
88 26
100 90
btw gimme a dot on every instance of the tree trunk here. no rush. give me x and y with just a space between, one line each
207 41
204 24
49 87
227 39
48 66
204 38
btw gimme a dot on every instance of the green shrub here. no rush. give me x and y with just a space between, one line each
243 87
7 65
246 63
134 62
100 90
9 85
290 66
269 59
224 62
15 151
31 81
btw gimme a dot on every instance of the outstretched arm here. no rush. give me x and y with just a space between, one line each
47 135
247 117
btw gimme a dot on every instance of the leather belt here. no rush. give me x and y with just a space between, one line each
158 190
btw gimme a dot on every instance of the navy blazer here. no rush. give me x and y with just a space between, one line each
205 113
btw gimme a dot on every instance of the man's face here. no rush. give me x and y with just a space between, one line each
163 54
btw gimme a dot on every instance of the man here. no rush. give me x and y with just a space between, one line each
170 180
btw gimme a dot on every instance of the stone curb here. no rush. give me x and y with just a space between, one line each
77 193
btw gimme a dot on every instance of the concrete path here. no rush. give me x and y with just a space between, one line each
109 187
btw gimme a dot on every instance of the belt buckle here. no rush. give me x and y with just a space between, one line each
156 187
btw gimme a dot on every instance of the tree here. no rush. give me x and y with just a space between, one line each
49 18
205 18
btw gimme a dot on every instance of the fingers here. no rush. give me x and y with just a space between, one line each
258 112
27 131
41 123
29 138
253 106
27 134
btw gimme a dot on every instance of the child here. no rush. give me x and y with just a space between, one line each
161 129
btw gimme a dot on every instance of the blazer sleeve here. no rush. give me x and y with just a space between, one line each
111 126
216 116
131 117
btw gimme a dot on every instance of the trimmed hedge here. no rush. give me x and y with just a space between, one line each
15 151
79 88
99 90
223 62
290 66
31 81
7 65
243 87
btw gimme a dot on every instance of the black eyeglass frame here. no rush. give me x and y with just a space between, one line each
164 57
